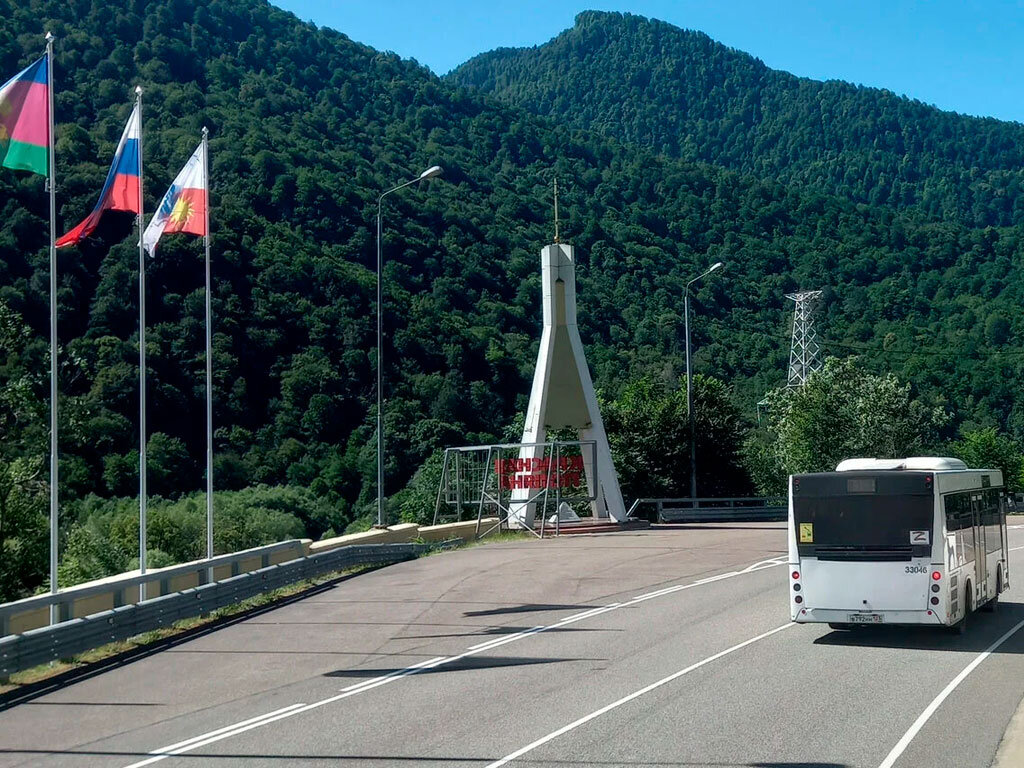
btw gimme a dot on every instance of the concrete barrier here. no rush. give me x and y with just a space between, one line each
365 537
403 533
465 531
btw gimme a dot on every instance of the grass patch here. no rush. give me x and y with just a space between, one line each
503 537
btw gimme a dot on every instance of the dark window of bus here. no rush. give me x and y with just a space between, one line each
850 522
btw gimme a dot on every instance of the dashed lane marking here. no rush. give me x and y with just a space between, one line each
228 731
626 699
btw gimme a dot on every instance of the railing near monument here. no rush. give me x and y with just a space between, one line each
497 481
721 510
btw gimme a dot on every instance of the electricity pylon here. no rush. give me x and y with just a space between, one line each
804 353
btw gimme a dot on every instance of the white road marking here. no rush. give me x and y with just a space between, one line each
502 639
923 718
626 699
396 673
765 564
1014 549
356 688
172 749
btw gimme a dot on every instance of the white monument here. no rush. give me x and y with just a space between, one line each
563 393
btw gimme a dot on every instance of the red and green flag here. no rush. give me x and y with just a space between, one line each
25 120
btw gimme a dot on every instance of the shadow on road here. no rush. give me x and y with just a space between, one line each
529 608
983 629
460 665
504 631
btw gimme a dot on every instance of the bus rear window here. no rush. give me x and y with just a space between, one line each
860 485
863 517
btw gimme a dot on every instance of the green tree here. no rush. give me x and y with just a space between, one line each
841 412
415 503
990 449
649 433
24 528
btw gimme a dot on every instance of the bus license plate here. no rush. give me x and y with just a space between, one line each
865 618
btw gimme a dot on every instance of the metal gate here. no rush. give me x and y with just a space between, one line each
492 481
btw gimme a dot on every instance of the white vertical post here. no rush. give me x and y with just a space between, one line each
142 364
51 182
209 357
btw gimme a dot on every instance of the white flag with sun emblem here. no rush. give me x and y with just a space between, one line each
183 208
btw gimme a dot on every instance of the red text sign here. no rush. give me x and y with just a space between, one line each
566 472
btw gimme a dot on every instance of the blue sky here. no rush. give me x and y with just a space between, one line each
960 55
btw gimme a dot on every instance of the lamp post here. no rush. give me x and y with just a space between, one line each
689 377
434 170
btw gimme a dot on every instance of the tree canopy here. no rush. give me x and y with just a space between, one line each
843 411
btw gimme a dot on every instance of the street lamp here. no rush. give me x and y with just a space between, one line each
689 376
432 171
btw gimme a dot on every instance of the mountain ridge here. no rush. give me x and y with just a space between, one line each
679 92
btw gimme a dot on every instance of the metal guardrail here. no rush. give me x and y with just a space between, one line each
707 510
65 599
61 641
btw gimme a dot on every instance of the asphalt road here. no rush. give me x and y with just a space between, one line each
650 648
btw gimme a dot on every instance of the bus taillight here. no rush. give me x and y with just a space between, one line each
936 575
796 574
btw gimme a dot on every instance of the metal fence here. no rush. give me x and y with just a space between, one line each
125 588
709 510
61 641
500 480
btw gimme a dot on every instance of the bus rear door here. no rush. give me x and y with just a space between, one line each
980 550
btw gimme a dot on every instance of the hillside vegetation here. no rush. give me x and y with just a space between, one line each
679 92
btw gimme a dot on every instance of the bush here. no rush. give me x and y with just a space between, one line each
104 539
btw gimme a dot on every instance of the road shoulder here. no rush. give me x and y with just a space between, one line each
1011 749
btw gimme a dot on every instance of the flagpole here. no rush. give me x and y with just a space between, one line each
209 355
51 182
142 366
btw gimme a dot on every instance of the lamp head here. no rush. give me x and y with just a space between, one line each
431 172
716 265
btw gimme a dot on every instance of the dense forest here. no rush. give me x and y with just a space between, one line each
681 93
307 128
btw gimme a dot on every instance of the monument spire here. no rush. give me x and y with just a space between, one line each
556 211
562 395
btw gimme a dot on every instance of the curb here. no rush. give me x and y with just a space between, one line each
1011 748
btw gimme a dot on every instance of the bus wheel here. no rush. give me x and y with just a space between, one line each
992 605
961 626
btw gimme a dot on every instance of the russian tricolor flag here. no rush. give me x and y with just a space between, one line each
121 189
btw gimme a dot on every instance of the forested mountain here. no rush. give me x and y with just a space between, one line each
681 93
307 128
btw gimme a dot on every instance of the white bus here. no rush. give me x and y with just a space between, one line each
896 541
